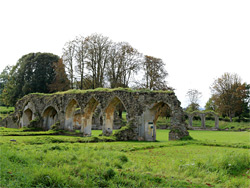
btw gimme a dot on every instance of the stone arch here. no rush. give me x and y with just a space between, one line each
108 115
27 114
202 117
50 116
149 118
71 120
88 112
216 118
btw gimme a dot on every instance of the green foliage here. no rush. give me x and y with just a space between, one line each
34 123
187 138
34 72
68 161
56 126
5 111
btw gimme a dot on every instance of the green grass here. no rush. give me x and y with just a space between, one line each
211 159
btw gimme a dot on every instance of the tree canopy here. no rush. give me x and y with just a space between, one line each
33 72
229 94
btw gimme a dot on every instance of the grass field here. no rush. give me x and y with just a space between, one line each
212 159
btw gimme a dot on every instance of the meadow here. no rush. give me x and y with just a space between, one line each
212 159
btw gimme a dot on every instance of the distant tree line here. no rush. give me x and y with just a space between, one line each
230 98
86 63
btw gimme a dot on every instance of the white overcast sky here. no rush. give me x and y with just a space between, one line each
198 40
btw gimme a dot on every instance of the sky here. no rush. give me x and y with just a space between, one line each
198 40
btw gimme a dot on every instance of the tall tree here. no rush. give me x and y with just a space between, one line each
246 103
193 96
32 73
229 94
60 82
123 62
4 76
210 104
81 52
97 58
10 91
68 59
155 73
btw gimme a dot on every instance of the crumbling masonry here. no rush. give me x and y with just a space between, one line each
75 108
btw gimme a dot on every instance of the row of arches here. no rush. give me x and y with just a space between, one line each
78 117
202 116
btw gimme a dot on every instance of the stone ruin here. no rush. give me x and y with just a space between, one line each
202 116
75 109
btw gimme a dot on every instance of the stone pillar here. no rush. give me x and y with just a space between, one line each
216 118
203 118
178 128
190 120
86 125
69 123
147 127
108 121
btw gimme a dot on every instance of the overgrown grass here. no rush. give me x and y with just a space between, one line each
211 159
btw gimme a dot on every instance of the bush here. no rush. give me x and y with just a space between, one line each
56 126
123 158
34 123
187 138
236 119
110 173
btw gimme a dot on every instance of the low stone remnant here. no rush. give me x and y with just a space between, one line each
74 109
203 115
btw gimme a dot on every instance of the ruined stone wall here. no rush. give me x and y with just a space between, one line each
141 108
202 116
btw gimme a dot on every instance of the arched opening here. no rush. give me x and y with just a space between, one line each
149 120
212 120
163 115
27 117
88 116
197 120
97 118
112 113
49 117
73 116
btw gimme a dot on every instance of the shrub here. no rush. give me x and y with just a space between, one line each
34 123
187 138
123 158
56 126
110 173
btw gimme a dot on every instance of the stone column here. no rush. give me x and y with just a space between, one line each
216 118
147 128
178 128
203 118
190 120
86 124
108 121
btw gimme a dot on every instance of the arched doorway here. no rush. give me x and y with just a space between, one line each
87 116
200 120
212 116
109 115
27 117
149 120
50 117
71 120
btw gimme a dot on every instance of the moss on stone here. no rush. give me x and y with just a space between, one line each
78 91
